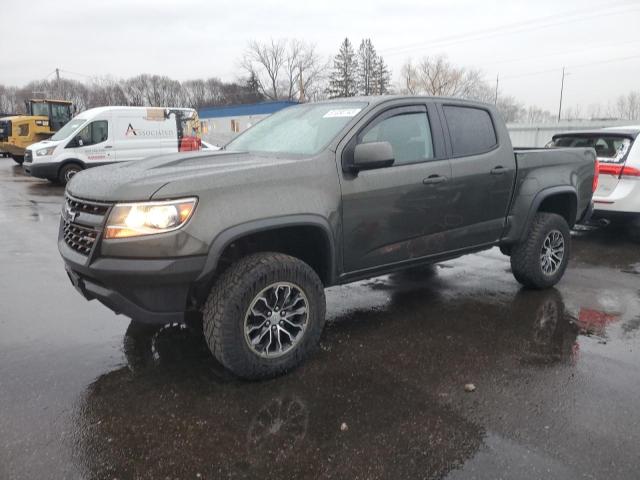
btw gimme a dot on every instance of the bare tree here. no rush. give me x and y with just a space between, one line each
106 91
535 114
437 76
280 67
265 61
135 90
304 70
628 106
410 83
9 102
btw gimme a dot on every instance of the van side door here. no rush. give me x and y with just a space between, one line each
396 213
483 169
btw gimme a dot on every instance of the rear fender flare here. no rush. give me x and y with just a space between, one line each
541 197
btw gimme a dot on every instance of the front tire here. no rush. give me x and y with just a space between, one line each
67 172
264 315
541 260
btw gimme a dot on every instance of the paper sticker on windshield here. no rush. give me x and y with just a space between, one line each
342 112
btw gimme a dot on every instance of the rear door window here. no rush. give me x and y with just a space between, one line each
471 130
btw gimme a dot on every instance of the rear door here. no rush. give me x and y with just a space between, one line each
483 173
396 213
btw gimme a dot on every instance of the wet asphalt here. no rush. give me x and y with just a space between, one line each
84 394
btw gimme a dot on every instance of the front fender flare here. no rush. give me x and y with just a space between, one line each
228 236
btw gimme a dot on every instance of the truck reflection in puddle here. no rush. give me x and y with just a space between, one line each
393 375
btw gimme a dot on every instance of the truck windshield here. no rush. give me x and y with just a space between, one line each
301 130
68 129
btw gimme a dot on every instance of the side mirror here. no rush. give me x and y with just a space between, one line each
372 155
79 142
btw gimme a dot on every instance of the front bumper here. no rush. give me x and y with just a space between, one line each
146 290
42 170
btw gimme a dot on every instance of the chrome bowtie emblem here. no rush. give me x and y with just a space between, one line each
69 214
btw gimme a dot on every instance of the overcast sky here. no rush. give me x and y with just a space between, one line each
525 42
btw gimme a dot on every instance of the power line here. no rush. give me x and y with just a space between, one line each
514 28
573 67
583 49
77 73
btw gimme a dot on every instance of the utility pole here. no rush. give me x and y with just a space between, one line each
497 83
58 82
561 93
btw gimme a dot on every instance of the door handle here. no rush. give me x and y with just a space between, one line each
434 179
499 170
108 146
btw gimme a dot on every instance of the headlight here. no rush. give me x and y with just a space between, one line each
45 151
147 218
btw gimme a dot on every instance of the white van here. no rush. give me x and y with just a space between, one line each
104 135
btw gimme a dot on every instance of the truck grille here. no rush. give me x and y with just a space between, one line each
79 238
87 207
82 223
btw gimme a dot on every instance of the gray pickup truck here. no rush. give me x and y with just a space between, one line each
316 195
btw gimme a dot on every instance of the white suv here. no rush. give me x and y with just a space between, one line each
617 198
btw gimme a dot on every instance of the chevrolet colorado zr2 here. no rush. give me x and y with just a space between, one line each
316 195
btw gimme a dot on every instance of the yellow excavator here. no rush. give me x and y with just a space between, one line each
44 118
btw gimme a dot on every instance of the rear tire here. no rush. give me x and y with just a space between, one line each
67 172
19 159
541 260
250 301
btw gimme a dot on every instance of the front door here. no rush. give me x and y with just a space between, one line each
397 213
94 143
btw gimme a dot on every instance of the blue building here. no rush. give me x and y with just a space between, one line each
221 124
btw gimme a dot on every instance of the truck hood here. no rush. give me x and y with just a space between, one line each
139 180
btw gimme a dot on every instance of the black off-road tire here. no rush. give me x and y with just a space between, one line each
67 171
525 257
230 297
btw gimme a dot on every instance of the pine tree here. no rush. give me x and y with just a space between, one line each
367 59
342 81
382 78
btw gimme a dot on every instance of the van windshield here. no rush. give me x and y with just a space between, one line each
68 129
302 130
